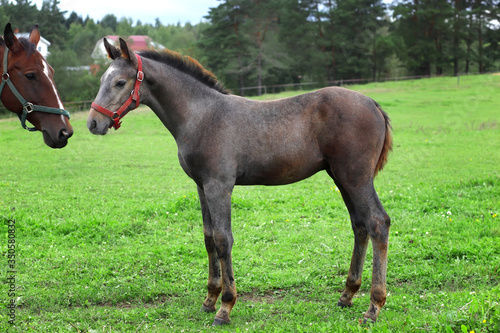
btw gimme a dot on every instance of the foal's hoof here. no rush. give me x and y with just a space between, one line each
207 309
219 322
367 321
343 305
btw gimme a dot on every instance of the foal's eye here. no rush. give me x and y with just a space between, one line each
121 83
30 76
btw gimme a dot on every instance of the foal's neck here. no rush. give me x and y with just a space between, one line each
177 98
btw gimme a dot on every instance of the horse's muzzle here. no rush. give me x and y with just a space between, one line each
59 140
97 123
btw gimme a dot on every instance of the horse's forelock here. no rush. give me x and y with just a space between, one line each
29 47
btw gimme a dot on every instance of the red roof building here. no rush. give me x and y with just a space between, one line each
135 43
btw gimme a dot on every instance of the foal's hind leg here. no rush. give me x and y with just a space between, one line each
214 285
368 219
353 282
354 277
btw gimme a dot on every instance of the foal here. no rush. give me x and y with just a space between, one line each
225 140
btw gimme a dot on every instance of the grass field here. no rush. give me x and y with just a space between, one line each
109 238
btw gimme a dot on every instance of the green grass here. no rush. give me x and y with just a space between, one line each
109 235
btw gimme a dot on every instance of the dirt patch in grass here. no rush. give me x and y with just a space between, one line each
268 297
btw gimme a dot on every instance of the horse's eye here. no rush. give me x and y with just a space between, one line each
30 76
121 83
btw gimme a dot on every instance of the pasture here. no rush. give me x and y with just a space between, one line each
109 235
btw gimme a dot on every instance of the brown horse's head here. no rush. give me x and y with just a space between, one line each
32 77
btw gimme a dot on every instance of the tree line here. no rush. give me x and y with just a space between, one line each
256 42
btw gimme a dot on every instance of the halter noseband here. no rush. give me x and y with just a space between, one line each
134 96
27 106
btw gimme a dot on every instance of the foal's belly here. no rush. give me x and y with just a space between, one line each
279 173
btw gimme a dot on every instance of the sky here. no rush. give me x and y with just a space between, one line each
168 11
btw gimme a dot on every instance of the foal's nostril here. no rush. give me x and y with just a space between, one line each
92 124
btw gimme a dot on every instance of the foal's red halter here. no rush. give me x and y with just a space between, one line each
134 96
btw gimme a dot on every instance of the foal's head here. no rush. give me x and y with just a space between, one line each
33 78
117 83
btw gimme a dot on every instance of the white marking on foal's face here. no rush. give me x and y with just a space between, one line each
108 73
46 72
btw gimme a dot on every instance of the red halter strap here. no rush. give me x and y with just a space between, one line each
134 96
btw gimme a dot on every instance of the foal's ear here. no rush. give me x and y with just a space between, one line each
113 52
126 53
35 35
11 40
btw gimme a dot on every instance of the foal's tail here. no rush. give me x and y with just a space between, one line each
382 160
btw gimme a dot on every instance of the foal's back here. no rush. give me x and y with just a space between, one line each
287 140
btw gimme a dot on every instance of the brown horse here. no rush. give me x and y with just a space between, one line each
28 89
226 140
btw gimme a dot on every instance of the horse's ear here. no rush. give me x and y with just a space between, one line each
113 52
126 53
34 35
10 39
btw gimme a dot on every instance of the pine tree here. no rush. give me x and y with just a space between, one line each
51 20
224 43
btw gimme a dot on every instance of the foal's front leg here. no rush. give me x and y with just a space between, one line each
214 285
218 235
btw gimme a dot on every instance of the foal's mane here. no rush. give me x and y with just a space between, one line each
187 65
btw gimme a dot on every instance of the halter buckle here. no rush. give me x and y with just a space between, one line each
5 76
140 76
135 94
28 107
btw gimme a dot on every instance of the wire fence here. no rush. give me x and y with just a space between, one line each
276 88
